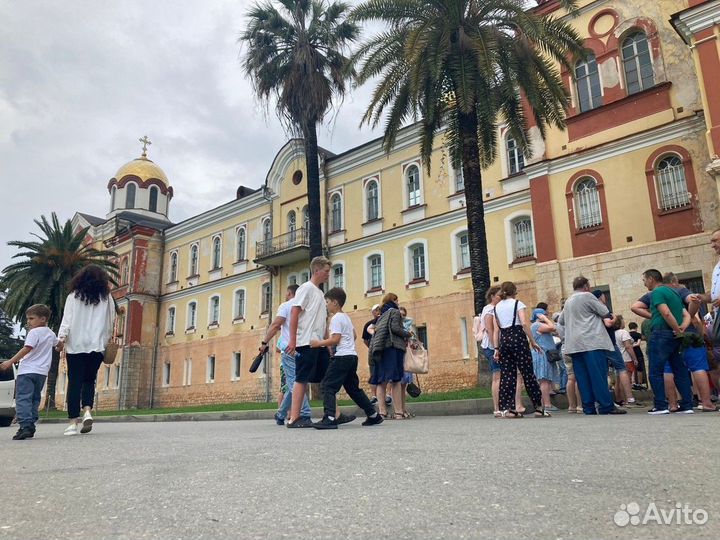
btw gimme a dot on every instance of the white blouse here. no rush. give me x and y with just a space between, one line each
86 327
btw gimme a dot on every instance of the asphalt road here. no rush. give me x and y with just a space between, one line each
451 477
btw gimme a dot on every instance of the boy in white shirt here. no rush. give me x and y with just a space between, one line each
36 357
342 370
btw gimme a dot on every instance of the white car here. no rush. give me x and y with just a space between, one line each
7 396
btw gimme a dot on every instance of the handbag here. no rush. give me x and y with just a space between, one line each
413 389
416 358
258 359
553 355
110 353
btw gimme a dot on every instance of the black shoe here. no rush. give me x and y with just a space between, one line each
23 433
373 420
388 400
325 423
279 421
618 410
373 400
302 422
345 418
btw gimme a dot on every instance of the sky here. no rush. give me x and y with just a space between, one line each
81 81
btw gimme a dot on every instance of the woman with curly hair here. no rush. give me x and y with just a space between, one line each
86 328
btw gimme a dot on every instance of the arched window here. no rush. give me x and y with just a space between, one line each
522 238
124 272
587 203
375 271
153 199
194 260
173 266
306 219
266 298
292 224
412 179
463 250
267 230
214 311
171 321
130 196
216 253
671 183
587 80
335 213
239 304
192 315
338 276
240 244
373 200
637 63
515 158
417 259
113 191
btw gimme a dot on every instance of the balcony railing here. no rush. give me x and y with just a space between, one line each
299 238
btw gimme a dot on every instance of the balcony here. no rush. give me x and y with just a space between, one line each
285 249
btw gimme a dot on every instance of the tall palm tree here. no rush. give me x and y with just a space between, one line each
465 65
296 55
43 275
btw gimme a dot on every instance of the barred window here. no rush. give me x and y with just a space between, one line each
588 84
587 204
671 183
637 63
516 160
522 238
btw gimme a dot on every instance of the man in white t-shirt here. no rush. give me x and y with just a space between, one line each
308 321
34 358
282 324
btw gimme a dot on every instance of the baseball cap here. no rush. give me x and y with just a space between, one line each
376 306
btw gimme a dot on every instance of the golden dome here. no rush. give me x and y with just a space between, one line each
144 169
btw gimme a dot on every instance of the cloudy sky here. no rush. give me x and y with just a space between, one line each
81 81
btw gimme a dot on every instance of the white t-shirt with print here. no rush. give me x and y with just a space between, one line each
341 324
621 336
312 320
504 312
42 340
284 312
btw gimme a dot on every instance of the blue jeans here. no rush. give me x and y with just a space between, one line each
563 375
664 348
288 365
28 390
591 368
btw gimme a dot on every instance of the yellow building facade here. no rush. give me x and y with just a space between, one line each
623 188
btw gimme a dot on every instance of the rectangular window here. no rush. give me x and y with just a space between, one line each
375 272
107 376
118 372
423 336
235 375
210 377
464 241
418 260
171 321
464 337
166 374
266 298
459 180
608 297
338 276
187 372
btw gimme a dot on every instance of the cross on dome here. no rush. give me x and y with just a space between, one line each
145 142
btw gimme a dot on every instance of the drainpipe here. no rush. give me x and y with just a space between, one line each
156 345
268 354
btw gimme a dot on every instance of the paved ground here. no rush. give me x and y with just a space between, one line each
452 477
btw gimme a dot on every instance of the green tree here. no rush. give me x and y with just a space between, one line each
295 54
44 272
465 65
9 344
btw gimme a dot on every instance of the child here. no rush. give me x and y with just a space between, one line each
36 357
343 366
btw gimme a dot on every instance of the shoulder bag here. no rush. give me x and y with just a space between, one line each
416 358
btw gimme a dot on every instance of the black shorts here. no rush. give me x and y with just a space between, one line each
641 364
311 364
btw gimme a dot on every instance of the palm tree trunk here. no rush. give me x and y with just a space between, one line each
313 188
477 235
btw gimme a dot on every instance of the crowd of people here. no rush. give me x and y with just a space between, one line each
583 351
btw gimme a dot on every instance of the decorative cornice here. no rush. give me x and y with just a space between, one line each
214 285
454 216
637 141
696 19
164 189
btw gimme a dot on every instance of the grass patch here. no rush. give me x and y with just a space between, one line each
468 393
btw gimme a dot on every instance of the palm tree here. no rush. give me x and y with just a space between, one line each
296 55
44 274
464 66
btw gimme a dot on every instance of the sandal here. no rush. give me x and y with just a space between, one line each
406 415
512 414
542 413
398 416
498 414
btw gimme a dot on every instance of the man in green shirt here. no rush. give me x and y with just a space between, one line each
669 319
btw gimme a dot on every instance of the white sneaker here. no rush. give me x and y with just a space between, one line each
656 412
684 411
87 423
71 429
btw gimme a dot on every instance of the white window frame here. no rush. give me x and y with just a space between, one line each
586 80
366 205
241 256
456 252
187 372
166 374
214 322
190 324
236 362
266 231
263 298
196 270
659 190
173 264
576 211
410 263
171 321
210 373
336 227
338 264
635 58
293 279
216 258
237 316
519 156
113 194
306 218
127 196
509 241
406 192
368 275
